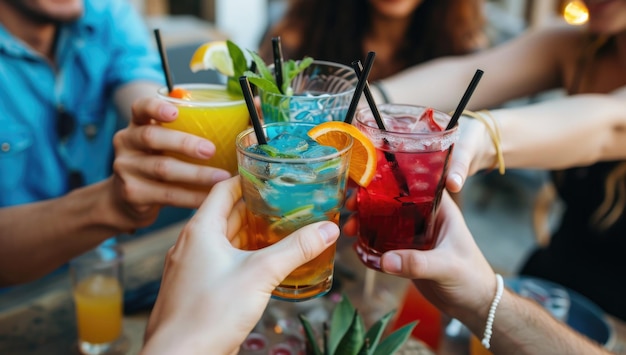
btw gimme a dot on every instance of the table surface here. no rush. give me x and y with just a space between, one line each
38 318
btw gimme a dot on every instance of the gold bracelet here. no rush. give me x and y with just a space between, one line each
491 124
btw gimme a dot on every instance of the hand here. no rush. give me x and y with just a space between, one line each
212 293
144 177
454 276
469 152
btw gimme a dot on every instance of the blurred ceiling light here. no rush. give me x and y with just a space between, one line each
575 12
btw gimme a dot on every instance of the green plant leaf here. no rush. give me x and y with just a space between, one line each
375 332
352 340
291 69
262 68
340 322
262 83
394 341
310 335
240 64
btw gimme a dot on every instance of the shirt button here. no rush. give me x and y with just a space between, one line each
5 147
90 130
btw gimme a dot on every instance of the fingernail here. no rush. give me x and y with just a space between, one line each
206 149
328 231
457 179
169 111
393 262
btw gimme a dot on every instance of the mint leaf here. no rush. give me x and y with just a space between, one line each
239 67
262 83
262 68
239 60
291 69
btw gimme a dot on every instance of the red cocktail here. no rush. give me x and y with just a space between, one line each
397 209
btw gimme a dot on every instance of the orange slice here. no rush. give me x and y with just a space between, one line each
212 55
363 157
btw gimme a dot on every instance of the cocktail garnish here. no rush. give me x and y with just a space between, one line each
363 155
265 80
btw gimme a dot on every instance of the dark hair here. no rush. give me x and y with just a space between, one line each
334 30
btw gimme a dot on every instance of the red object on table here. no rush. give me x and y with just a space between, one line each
415 307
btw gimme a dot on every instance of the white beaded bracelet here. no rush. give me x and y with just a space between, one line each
492 311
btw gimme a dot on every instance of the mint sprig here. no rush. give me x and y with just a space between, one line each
240 66
266 81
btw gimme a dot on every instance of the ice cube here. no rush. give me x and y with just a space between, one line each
287 143
426 123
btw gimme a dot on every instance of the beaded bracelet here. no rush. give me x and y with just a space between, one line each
492 311
490 122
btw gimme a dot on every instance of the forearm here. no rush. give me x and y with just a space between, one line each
36 238
573 131
523 327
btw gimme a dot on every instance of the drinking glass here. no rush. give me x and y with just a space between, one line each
397 209
213 113
287 191
98 294
321 93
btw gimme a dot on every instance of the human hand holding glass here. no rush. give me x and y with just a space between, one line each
144 177
217 290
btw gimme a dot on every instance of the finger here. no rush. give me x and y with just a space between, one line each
458 169
149 108
137 191
298 248
213 214
153 137
435 264
237 222
167 169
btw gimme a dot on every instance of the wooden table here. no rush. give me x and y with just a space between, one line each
38 318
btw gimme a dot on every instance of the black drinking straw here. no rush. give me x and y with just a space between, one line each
277 50
252 68
360 86
164 64
389 156
356 65
256 121
465 99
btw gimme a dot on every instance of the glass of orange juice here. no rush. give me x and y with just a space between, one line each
98 295
211 112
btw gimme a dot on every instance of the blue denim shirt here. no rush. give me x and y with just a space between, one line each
109 46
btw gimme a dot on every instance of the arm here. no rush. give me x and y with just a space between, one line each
523 66
36 238
212 293
456 278
523 327
571 131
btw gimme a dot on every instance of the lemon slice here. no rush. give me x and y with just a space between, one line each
212 55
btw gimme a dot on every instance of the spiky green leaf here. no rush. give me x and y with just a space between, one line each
340 322
394 341
375 332
310 335
352 340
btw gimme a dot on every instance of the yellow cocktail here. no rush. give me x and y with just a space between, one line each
209 111
98 301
